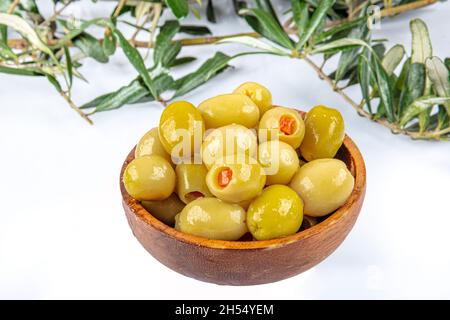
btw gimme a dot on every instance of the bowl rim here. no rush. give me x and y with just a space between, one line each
358 191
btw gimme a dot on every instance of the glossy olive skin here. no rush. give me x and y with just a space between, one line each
279 160
324 185
191 179
149 178
212 218
227 109
228 140
324 133
259 94
269 126
181 124
247 181
277 212
150 145
165 210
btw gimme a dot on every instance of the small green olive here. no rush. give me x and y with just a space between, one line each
279 160
191 182
259 94
282 124
324 185
150 145
324 133
213 219
227 109
165 210
181 129
149 178
235 180
228 140
277 212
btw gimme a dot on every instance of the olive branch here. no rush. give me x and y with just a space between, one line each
414 101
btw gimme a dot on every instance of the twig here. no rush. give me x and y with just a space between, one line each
74 107
13 6
56 13
119 8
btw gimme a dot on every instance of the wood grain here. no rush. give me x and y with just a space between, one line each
248 262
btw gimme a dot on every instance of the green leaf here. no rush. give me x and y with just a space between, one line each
393 58
195 30
348 57
75 32
420 105
255 43
339 31
443 118
180 61
421 43
210 14
340 44
69 65
166 50
54 82
21 71
91 47
414 86
301 15
27 31
129 94
207 70
365 75
385 89
180 8
109 45
439 76
268 27
317 17
136 60
447 63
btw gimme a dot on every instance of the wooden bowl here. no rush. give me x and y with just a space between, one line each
248 262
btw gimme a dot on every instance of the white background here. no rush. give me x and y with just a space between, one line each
63 233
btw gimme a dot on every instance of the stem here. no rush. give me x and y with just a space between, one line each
13 6
74 107
119 8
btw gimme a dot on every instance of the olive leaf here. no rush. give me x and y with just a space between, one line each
365 76
385 88
21 71
207 70
301 15
421 43
439 76
166 50
180 8
266 25
414 86
210 13
392 58
255 43
136 60
316 18
91 47
341 44
419 105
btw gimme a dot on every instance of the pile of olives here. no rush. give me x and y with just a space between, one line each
238 164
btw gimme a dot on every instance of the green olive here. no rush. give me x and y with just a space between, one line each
235 180
150 145
324 185
191 182
227 109
324 133
165 210
282 124
279 160
181 129
259 94
149 178
213 219
277 212
228 140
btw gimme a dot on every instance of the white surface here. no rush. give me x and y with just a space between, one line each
63 233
